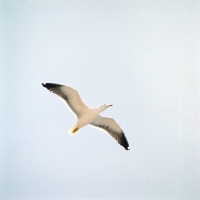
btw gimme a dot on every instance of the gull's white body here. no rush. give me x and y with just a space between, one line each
86 118
86 115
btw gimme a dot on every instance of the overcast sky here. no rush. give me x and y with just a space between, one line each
142 56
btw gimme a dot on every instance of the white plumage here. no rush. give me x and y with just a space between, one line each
87 115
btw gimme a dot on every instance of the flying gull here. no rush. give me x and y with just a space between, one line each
86 115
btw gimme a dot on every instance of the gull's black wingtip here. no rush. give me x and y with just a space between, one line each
123 141
127 148
45 85
50 85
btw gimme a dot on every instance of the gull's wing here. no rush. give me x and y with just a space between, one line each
111 127
70 97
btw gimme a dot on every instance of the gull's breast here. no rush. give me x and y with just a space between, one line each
88 117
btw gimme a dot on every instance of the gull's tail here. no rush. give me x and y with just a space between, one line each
73 130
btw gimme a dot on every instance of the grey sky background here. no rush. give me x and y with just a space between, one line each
141 56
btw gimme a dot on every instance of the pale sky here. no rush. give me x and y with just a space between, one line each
142 56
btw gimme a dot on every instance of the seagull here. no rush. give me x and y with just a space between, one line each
86 115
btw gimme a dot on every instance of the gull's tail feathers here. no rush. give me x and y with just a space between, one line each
73 130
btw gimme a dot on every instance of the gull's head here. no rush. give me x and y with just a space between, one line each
105 106
108 105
